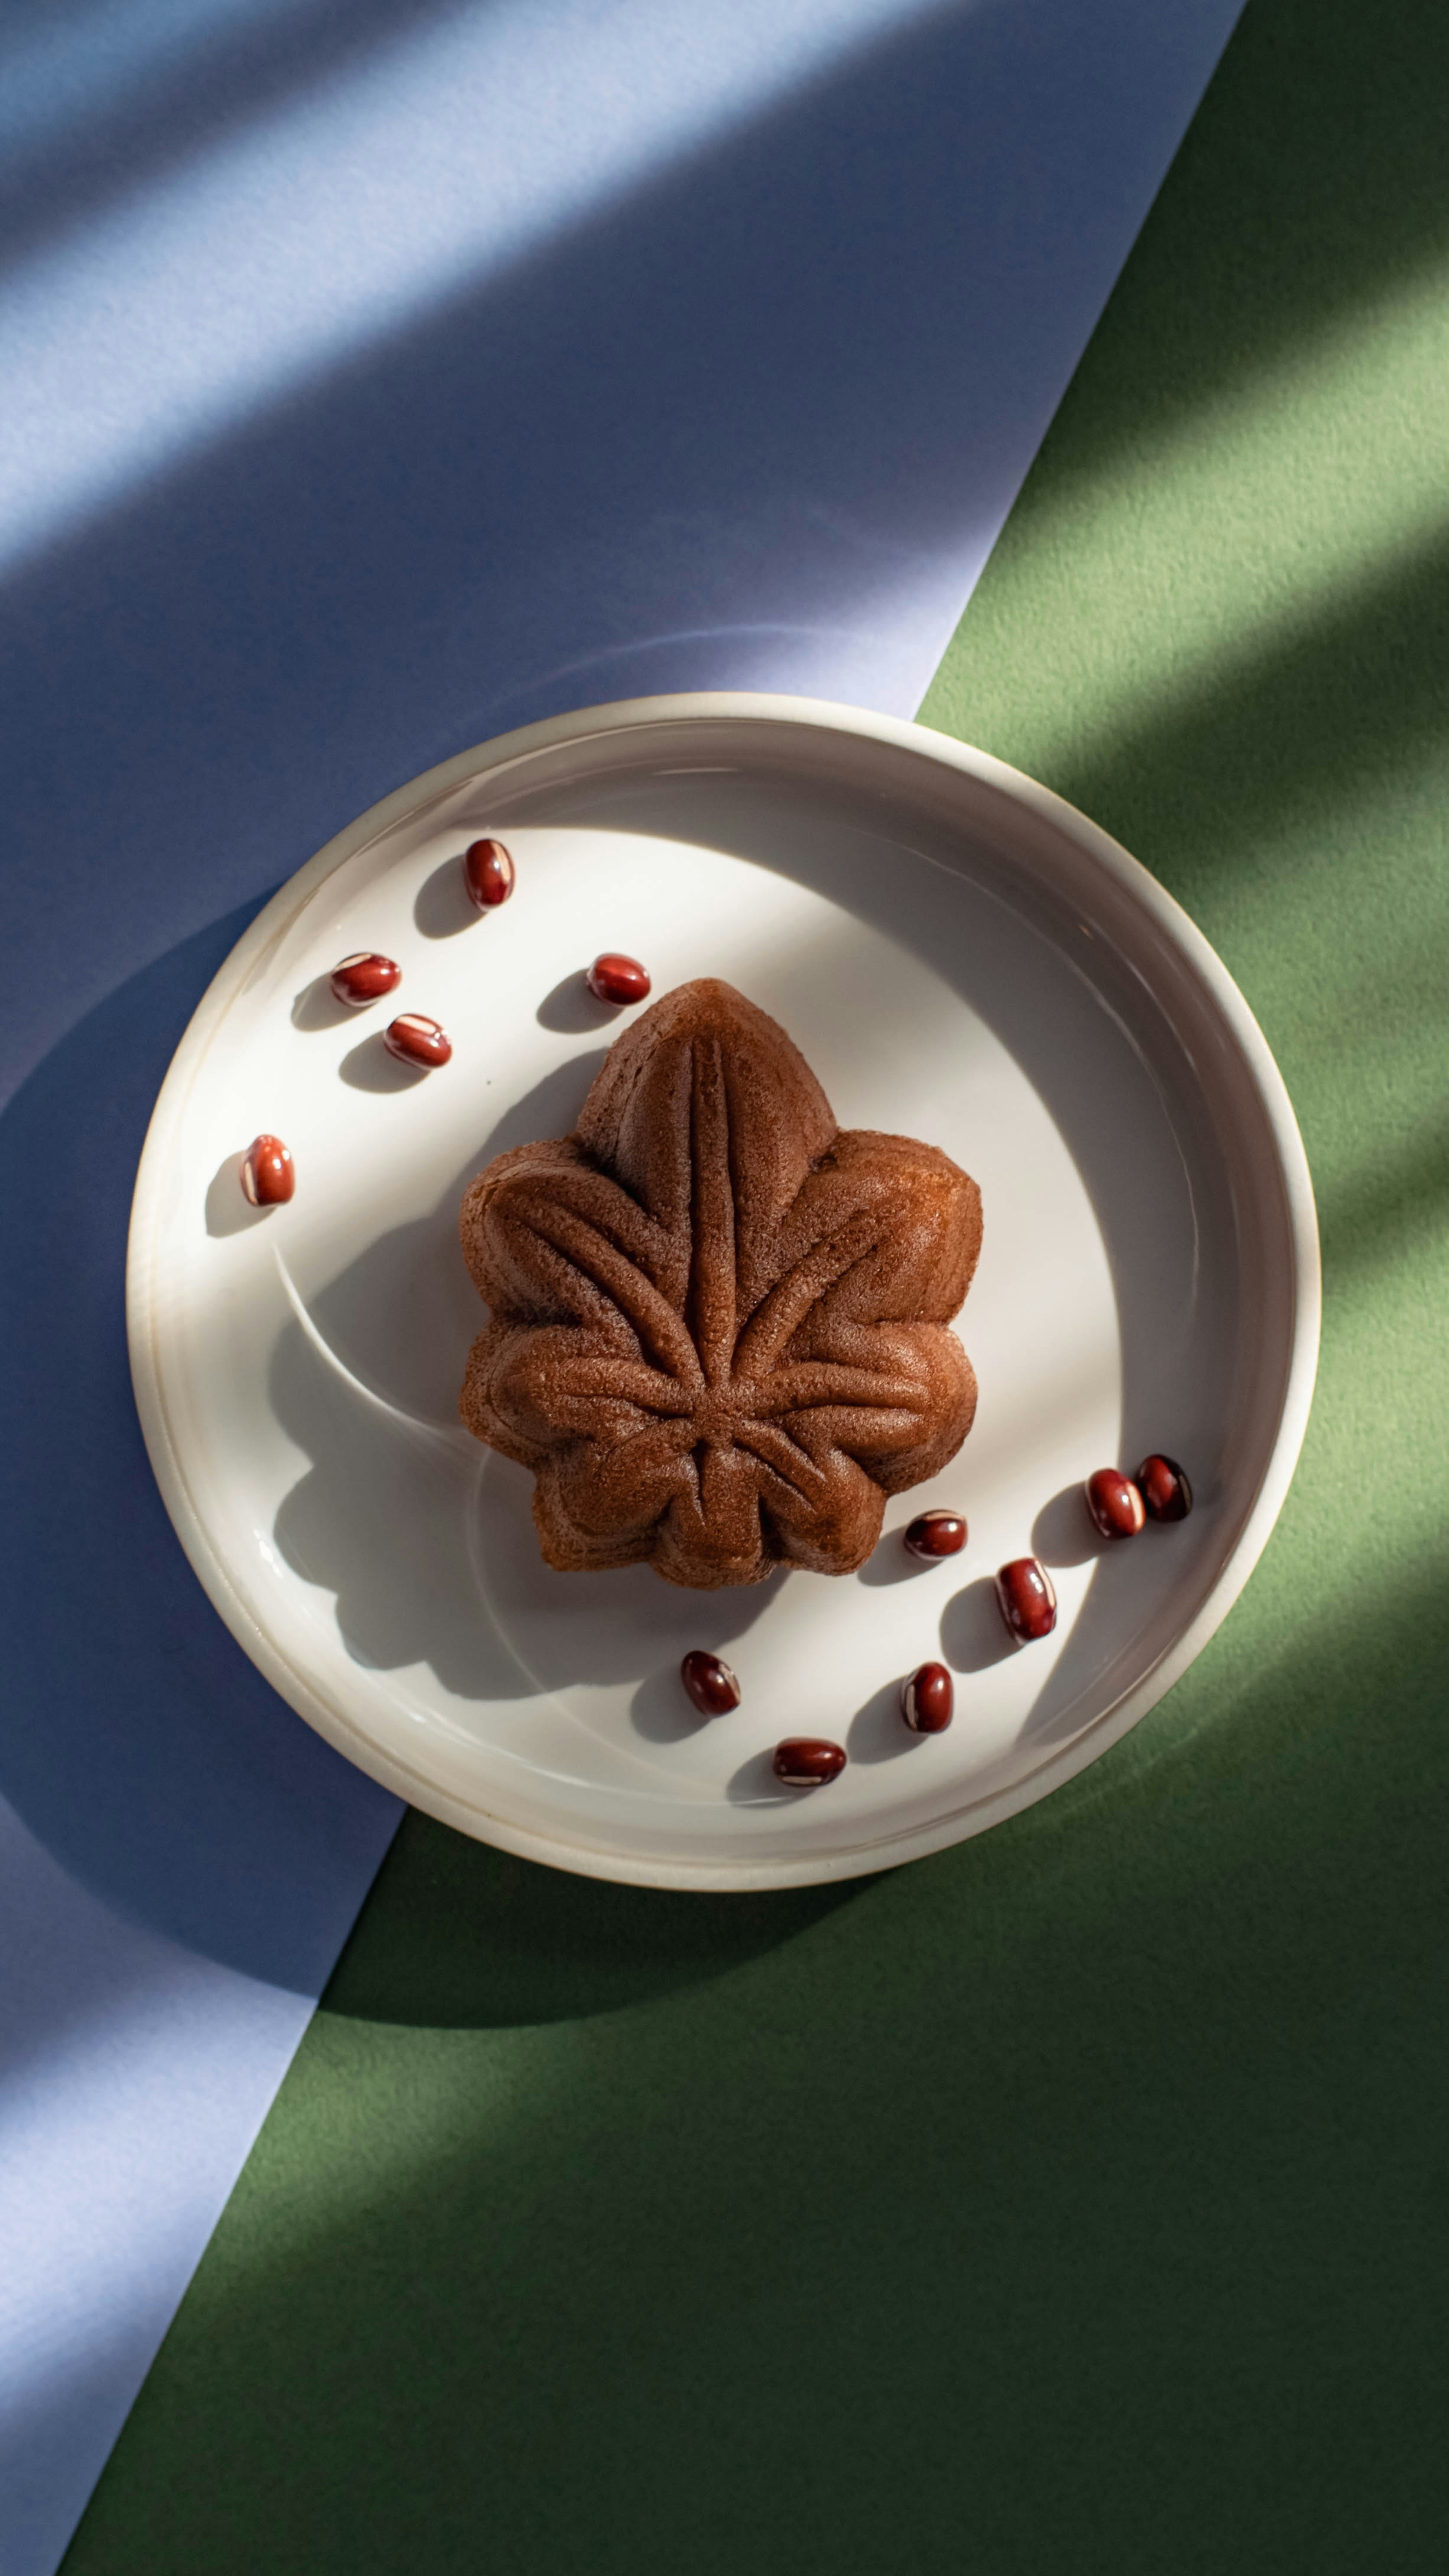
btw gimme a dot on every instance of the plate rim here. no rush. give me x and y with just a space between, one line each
247 959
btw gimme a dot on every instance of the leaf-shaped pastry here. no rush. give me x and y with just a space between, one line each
718 1325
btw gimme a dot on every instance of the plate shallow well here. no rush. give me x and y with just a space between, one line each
960 957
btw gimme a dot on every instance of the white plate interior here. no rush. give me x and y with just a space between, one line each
960 959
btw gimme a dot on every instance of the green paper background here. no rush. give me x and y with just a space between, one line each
1075 2200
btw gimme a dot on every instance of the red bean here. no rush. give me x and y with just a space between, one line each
267 1173
364 978
489 873
808 1761
928 1700
414 1040
1165 1489
1114 1503
710 1684
936 1534
1028 1602
613 978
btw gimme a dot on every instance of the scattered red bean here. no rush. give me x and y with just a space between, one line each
710 1684
489 873
928 1700
1114 1503
414 1040
1028 1602
267 1173
936 1534
364 978
612 978
1165 1489
807 1761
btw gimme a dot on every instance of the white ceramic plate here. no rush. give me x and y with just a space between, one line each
961 957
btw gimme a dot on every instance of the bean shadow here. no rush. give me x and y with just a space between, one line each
974 1636
755 1785
892 1562
228 1209
443 906
371 1066
317 1006
1064 1533
572 1008
878 1732
662 1711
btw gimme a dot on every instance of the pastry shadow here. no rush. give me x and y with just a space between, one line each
571 1010
974 1636
618 1625
404 1313
381 1519
228 1209
1063 1532
878 1732
443 906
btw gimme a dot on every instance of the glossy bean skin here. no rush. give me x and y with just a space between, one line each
613 978
364 978
1115 1503
933 1535
808 1761
489 874
928 1700
415 1040
1028 1599
1165 1489
268 1175
710 1683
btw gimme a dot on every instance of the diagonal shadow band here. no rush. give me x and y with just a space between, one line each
1394 1211
756 427
101 123
1312 713
1350 222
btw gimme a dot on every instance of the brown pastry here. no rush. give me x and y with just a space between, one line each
718 1327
